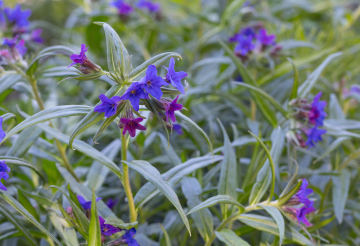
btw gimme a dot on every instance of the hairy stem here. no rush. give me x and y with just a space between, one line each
126 182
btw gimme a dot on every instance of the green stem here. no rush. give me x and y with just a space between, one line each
126 181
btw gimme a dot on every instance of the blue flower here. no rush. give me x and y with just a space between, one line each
10 42
265 39
151 83
134 93
108 105
178 129
4 170
35 36
86 204
171 108
112 202
2 132
303 211
128 238
20 18
20 47
149 5
175 77
317 113
245 45
2 16
123 8
107 229
131 125
81 58
247 31
314 135
302 194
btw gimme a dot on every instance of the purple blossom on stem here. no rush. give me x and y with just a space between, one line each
112 202
134 93
245 45
128 238
81 58
86 204
178 129
175 77
2 132
151 83
4 170
149 5
265 39
107 229
19 17
355 89
35 36
303 211
122 7
171 108
108 105
314 135
20 47
247 31
317 113
302 194
131 125
10 42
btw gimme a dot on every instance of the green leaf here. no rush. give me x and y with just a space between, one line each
15 204
230 238
118 59
296 80
288 193
8 80
152 175
119 223
309 83
230 10
173 177
276 215
266 175
24 141
331 148
266 224
94 230
27 205
156 61
228 178
203 219
340 192
335 110
48 114
18 224
167 237
222 199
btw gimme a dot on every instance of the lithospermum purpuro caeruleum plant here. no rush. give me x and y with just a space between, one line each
99 150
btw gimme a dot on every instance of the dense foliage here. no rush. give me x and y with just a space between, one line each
180 122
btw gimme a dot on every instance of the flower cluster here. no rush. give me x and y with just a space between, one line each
300 205
253 40
309 117
124 9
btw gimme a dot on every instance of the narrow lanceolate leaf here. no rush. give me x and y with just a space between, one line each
230 238
264 176
27 205
156 61
222 199
8 80
119 62
266 224
340 192
166 235
306 87
18 224
228 177
94 230
173 177
151 174
263 105
203 219
296 80
48 114
276 215
15 204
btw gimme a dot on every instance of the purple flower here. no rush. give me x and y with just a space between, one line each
245 45
10 42
86 204
302 194
355 89
178 129
151 83
149 5
314 135
303 211
107 229
123 8
247 31
128 238
81 58
131 125
20 18
35 36
175 77
20 47
4 170
2 132
171 108
317 113
265 39
108 105
2 16
134 93
112 202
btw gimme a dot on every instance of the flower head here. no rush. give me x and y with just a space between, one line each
265 39
35 36
151 83
108 105
17 16
245 45
131 125
122 7
303 211
317 113
20 48
4 170
128 238
134 93
86 204
314 135
10 42
302 194
171 108
112 202
86 66
80 58
247 32
175 77
107 229
2 132
149 5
